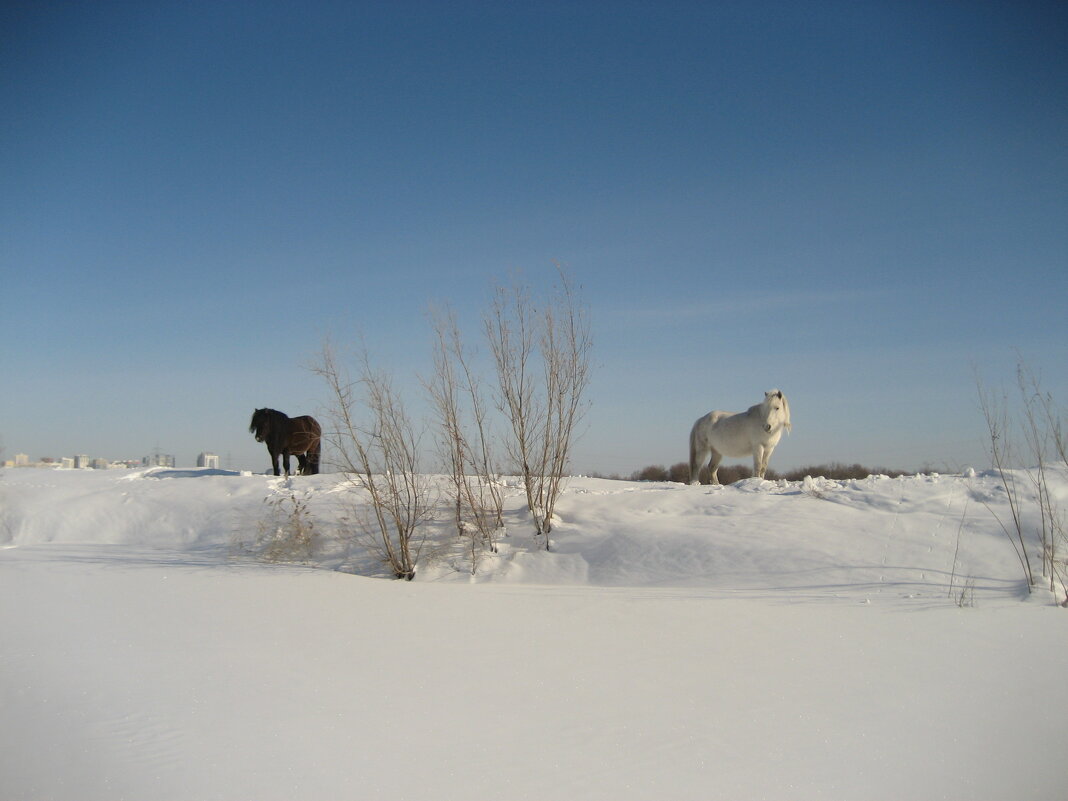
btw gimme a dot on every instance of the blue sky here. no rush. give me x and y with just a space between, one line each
858 202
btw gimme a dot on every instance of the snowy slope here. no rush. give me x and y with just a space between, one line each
763 640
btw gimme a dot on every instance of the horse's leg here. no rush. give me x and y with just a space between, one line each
713 466
697 458
313 458
274 460
765 457
302 464
285 462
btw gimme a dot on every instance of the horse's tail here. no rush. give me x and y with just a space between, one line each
696 453
316 448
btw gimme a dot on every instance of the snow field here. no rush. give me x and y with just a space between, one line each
754 641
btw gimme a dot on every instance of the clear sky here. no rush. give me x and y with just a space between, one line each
857 202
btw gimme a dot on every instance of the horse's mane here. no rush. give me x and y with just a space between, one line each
266 418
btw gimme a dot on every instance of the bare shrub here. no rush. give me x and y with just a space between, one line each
956 548
729 474
543 369
738 472
286 532
1037 422
837 471
679 473
1043 435
996 414
379 453
464 441
651 473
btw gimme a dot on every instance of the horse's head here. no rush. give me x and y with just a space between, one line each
776 411
260 424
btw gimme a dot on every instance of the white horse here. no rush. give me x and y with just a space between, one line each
756 431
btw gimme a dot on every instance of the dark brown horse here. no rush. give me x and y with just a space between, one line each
288 436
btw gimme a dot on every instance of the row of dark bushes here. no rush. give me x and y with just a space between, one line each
730 473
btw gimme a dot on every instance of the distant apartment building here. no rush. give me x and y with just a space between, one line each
81 461
158 460
210 460
22 460
67 463
100 464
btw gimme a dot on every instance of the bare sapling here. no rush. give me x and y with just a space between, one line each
511 330
996 416
565 345
379 452
543 370
1043 435
464 441
956 549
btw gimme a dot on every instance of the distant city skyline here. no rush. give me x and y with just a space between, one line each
155 459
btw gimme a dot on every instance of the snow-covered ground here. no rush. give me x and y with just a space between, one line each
822 640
